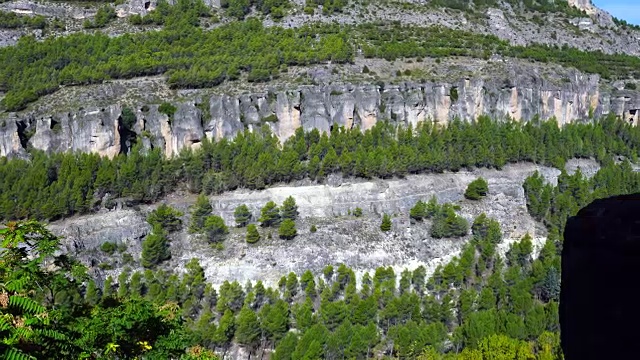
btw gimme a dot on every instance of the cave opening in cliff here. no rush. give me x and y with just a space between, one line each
147 5
23 134
127 136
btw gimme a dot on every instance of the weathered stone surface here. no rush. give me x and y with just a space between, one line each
521 97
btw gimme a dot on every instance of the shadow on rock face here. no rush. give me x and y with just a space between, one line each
599 311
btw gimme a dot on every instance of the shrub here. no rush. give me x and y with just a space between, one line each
386 223
313 228
215 228
357 212
108 248
477 189
253 236
287 229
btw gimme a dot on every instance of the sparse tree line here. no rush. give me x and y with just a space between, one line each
165 220
60 185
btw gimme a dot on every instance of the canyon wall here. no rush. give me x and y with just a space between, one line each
522 97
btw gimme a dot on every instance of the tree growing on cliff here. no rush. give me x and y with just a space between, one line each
201 210
253 236
386 223
242 215
419 211
289 209
269 215
167 217
215 229
155 247
477 189
287 229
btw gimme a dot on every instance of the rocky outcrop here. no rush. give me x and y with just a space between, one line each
341 238
522 97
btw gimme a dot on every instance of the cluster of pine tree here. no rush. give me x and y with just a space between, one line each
477 305
61 185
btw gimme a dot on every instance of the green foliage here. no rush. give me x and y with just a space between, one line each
215 228
477 189
446 223
103 17
313 229
357 212
242 215
11 20
167 109
155 247
289 209
386 223
253 236
201 210
62 185
287 229
166 217
269 215
128 118
108 248
419 211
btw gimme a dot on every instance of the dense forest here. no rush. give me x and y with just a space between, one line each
60 185
191 57
478 306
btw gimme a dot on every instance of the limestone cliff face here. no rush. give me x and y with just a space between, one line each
521 97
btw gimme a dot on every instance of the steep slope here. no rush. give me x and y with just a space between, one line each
341 237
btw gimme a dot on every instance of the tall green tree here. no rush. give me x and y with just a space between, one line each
242 215
201 210
155 248
269 215
215 229
289 209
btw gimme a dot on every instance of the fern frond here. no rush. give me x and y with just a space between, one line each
53 334
17 285
27 305
14 354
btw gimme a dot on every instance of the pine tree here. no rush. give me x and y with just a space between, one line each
167 217
269 215
477 189
289 209
248 328
419 211
92 295
225 330
107 288
287 229
201 210
242 215
253 236
155 248
386 223
215 228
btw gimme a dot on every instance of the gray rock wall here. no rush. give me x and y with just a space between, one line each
521 97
